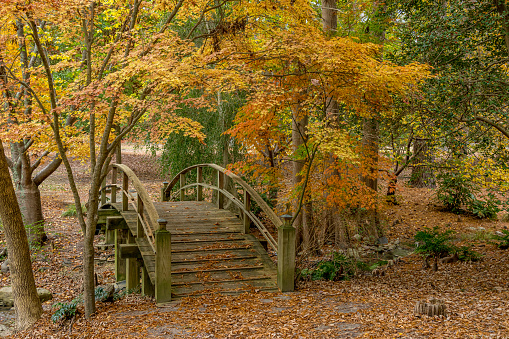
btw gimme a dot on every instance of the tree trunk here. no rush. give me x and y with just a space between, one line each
368 218
32 211
26 301
299 125
422 175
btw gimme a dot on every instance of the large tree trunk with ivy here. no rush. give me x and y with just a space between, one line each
26 301
368 218
422 174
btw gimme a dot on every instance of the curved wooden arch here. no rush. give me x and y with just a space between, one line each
242 206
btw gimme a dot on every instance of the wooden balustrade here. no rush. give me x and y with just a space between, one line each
222 175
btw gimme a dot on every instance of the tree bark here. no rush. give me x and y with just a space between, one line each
368 218
26 301
299 125
422 175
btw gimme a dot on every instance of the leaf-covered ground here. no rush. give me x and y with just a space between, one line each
476 294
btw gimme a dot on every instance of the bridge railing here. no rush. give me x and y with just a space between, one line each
219 185
140 202
148 225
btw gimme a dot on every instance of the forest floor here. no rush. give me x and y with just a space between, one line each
475 294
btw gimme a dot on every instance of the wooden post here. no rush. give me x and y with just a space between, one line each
182 184
247 206
286 255
125 188
147 288
103 192
114 185
163 263
163 191
120 264
220 185
132 269
199 180
139 226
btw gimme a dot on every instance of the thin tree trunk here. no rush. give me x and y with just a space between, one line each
27 304
299 125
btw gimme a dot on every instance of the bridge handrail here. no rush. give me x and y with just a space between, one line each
147 222
247 188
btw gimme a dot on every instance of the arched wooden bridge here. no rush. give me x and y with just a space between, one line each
193 246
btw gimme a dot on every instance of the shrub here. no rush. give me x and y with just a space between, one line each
465 253
71 211
485 209
455 190
503 239
433 244
66 311
339 268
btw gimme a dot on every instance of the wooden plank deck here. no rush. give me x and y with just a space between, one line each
209 252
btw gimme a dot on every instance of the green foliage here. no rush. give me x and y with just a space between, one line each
181 151
455 190
340 267
433 243
485 209
503 239
71 211
465 253
65 310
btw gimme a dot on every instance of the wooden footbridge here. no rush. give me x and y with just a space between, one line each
193 246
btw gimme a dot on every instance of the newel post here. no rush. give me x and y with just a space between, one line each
163 191
113 185
163 263
286 255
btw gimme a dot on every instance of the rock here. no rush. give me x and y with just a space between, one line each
119 285
106 293
7 298
383 241
44 294
357 237
5 266
5 331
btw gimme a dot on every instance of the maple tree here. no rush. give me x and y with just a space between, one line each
294 71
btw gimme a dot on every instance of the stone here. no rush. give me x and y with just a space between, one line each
107 294
7 298
357 237
119 285
5 331
5 266
383 241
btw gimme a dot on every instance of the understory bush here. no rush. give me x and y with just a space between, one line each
502 238
434 244
66 310
340 267
71 211
457 193
455 190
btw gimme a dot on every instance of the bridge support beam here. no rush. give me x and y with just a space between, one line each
132 269
120 264
286 256
147 288
163 263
